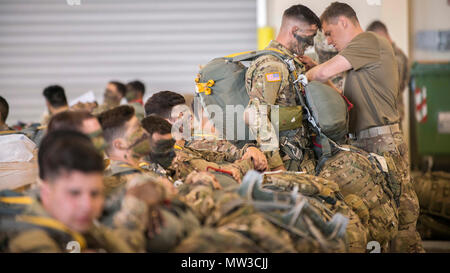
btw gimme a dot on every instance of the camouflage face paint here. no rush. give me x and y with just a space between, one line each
303 43
131 96
163 152
109 98
98 140
139 143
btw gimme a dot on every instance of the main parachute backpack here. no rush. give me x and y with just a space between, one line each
221 82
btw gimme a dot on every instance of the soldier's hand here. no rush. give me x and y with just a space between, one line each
258 158
308 62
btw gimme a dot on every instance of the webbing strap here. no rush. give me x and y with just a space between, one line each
53 224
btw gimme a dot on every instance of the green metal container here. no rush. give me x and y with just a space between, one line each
430 110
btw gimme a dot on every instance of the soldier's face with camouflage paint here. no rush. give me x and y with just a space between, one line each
91 127
111 96
137 139
302 37
162 149
75 198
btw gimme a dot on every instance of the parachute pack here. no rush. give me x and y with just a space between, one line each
221 82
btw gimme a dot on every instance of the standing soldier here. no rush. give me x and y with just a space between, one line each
268 83
372 85
402 63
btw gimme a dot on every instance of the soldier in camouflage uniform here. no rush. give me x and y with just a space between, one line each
4 110
171 106
63 215
128 144
179 161
135 94
268 83
367 190
112 96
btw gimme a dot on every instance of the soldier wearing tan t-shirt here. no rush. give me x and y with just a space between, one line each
372 86
402 64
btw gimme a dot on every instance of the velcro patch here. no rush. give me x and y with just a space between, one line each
273 77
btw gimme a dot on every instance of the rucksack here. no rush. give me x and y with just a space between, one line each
221 82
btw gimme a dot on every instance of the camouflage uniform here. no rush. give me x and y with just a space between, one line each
120 209
103 107
226 209
403 71
188 160
31 229
223 149
326 198
268 83
433 191
366 191
393 148
139 110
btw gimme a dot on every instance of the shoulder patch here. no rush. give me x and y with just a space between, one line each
273 77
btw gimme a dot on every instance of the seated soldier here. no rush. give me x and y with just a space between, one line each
127 145
55 98
63 215
180 161
135 95
81 121
112 96
4 110
172 107
56 101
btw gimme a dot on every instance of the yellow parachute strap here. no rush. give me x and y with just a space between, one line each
129 166
143 164
7 132
239 54
54 224
20 200
177 147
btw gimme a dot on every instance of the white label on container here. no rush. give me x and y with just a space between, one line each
444 123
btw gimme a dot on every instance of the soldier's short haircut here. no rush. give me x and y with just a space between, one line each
113 121
161 103
377 26
336 9
156 124
4 109
120 87
137 86
68 120
63 151
303 14
55 95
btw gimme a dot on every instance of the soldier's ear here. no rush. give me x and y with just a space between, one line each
119 144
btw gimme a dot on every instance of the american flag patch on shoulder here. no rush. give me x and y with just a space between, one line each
273 77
